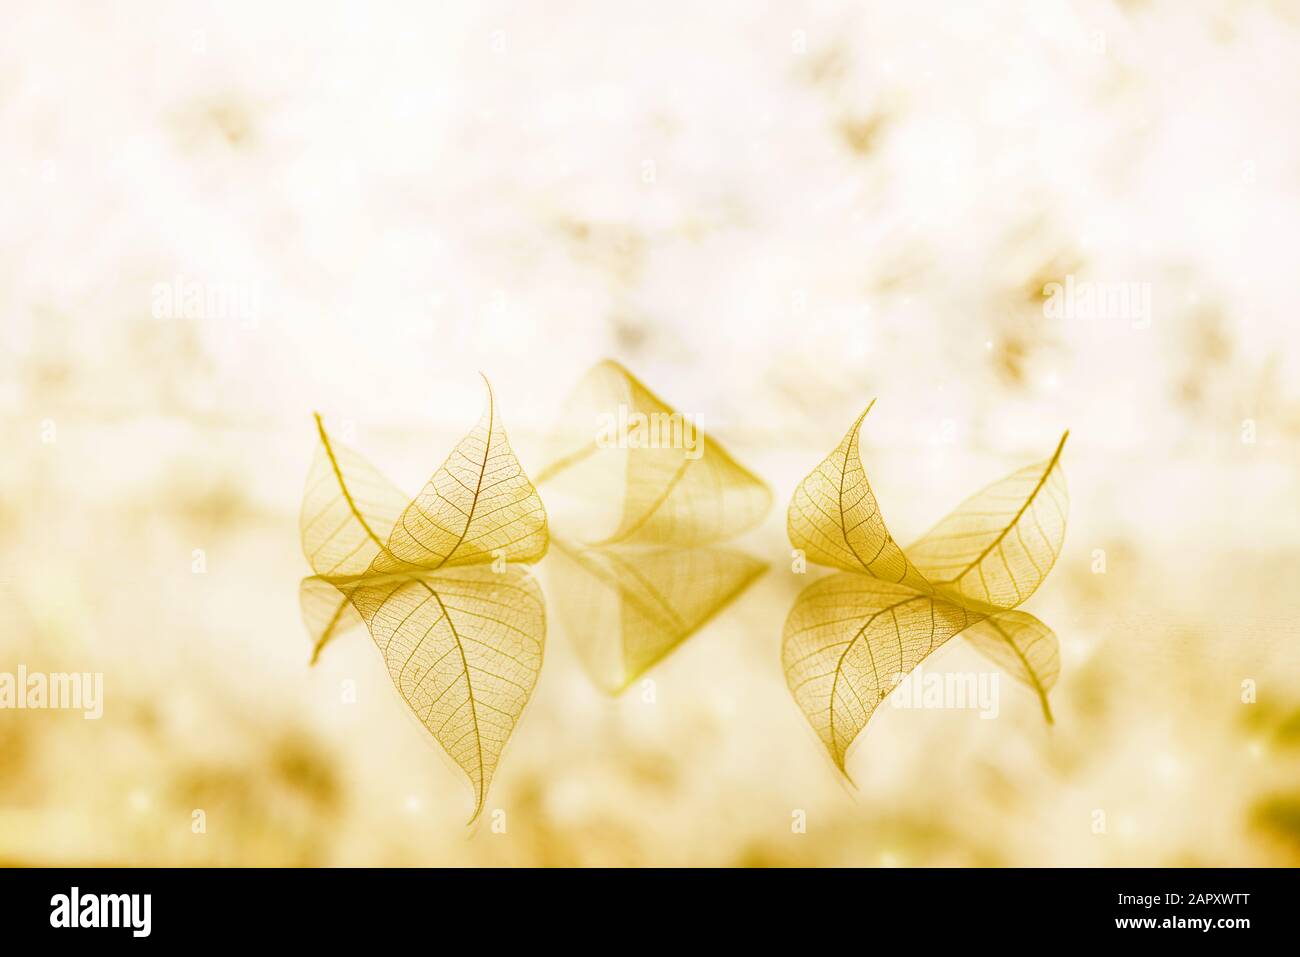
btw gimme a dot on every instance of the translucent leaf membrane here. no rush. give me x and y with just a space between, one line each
464 649
989 555
348 510
326 612
628 606
849 640
665 479
1023 647
460 627
479 506
996 547
649 498
835 519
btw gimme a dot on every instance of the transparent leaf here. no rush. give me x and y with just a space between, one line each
625 453
995 548
849 639
464 648
479 506
326 612
461 628
835 519
645 498
627 606
348 510
986 557
1023 647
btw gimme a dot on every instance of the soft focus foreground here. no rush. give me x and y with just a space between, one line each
771 217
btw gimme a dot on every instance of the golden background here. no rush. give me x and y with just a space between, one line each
770 213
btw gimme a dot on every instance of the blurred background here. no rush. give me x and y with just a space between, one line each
217 218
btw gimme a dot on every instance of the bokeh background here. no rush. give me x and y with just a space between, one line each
771 213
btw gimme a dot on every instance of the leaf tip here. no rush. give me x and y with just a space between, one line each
870 406
613 365
845 772
478 810
491 396
857 423
1047 710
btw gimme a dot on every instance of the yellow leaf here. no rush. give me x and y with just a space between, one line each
348 510
849 639
1023 647
460 628
326 612
982 560
995 548
464 649
835 519
626 455
627 606
478 507
644 496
